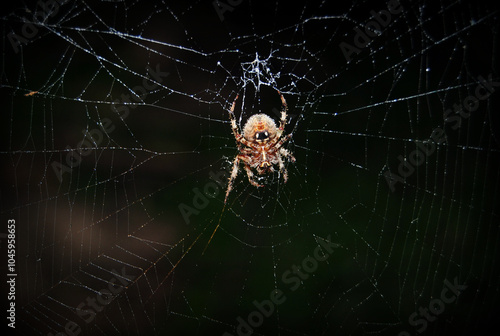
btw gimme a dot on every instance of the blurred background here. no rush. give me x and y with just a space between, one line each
115 130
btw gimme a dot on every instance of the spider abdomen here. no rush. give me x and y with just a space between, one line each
259 128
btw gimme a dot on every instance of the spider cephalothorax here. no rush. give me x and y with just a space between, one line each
260 146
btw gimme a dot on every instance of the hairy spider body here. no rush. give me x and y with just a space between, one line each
260 146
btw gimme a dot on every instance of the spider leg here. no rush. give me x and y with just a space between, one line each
237 135
234 173
282 141
283 116
233 119
283 169
251 175
282 124
287 154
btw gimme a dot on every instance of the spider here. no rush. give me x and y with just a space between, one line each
260 146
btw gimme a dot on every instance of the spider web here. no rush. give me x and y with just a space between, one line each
116 145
